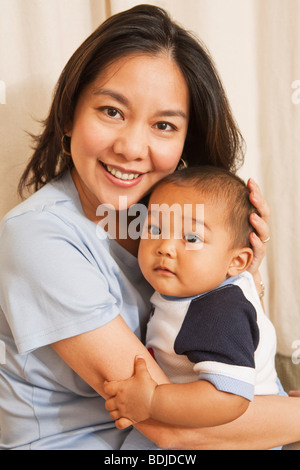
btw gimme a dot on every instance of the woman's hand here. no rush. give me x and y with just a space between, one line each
260 224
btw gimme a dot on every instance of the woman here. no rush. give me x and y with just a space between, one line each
136 99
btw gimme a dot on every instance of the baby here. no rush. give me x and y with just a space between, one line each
208 330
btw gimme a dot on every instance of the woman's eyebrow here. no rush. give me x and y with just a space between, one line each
171 113
123 100
117 96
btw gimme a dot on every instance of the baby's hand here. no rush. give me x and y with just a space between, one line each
130 400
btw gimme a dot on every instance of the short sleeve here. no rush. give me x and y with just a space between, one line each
50 286
220 335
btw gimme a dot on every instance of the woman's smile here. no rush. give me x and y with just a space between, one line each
120 176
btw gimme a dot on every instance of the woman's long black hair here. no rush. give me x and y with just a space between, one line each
213 137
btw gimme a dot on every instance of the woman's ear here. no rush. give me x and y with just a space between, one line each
240 261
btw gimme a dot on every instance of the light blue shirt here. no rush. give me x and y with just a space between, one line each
58 279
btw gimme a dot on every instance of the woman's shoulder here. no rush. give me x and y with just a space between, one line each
56 203
56 192
39 222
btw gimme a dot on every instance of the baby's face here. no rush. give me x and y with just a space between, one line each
187 253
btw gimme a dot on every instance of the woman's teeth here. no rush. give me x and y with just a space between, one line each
122 176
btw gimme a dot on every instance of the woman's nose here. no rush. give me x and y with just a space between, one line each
132 143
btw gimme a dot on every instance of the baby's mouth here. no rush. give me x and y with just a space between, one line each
120 174
163 269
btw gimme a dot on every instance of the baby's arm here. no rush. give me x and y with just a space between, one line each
195 404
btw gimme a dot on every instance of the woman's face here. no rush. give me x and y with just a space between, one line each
129 130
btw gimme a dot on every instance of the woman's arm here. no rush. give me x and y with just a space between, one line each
108 353
270 421
193 404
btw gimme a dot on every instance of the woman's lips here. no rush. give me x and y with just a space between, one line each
120 177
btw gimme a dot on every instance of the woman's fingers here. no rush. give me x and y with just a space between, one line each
261 227
260 222
259 251
258 201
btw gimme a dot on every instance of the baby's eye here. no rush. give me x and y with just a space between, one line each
154 230
192 238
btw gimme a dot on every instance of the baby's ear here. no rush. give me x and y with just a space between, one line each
240 261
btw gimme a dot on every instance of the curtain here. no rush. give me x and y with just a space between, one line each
255 45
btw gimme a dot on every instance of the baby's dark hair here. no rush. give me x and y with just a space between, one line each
224 188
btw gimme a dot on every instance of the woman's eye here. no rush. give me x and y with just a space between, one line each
192 238
111 112
165 126
154 230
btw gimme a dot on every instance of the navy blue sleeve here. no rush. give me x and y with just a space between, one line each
220 326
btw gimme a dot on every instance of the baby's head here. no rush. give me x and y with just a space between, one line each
223 189
216 245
